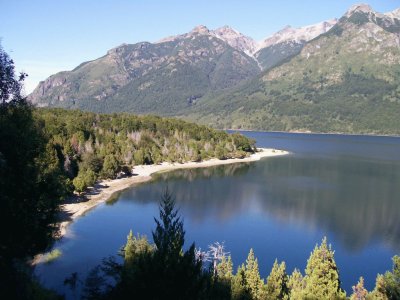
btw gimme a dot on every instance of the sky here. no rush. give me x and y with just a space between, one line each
44 37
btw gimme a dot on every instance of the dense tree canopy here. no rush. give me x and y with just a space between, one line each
31 185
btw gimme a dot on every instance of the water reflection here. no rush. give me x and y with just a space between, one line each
355 199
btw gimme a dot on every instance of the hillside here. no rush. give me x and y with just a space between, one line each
346 80
161 77
334 76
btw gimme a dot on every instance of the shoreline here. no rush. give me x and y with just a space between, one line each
316 133
104 189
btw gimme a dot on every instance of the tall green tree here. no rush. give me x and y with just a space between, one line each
322 275
379 292
359 291
254 283
392 280
276 286
30 184
167 272
239 287
296 285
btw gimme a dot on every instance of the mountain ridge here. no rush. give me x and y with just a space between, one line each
210 76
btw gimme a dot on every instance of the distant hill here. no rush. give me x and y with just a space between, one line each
336 76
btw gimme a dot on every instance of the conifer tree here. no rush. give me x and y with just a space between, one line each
254 283
276 286
392 279
169 234
135 246
322 275
239 285
225 268
359 291
379 292
296 285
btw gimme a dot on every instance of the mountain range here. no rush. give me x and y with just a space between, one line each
341 75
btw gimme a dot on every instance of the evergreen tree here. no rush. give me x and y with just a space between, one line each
110 166
276 286
296 285
225 268
359 291
167 272
254 283
135 246
169 234
379 292
239 285
322 276
392 280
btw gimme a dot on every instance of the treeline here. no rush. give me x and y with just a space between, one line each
90 146
163 270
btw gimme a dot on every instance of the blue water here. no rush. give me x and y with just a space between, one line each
344 187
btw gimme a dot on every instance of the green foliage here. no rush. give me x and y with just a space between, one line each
239 285
167 272
31 185
391 281
135 246
277 281
86 146
110 167
359 292
296 285
379 292
225 269
85 178
169 234
322 276
253 282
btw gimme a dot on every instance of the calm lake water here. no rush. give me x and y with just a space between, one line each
344 187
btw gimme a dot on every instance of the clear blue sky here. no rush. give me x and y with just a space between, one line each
47 36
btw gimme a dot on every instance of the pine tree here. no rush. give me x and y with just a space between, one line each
379 292
276 286
254 283
322 275
225 268
359 291
169 234
296 285
135 246
389 284
239 285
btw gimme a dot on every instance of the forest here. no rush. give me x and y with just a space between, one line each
90 146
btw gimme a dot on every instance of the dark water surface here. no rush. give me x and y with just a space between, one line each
344 187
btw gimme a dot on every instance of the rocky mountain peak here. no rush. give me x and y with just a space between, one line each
200 29
298 35
361 7
235 39
395 14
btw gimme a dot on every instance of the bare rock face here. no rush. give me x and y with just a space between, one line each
45 86
236 40
298 35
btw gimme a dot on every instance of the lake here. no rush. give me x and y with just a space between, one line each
344 187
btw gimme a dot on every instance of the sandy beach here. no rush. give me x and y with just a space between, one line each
103 190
